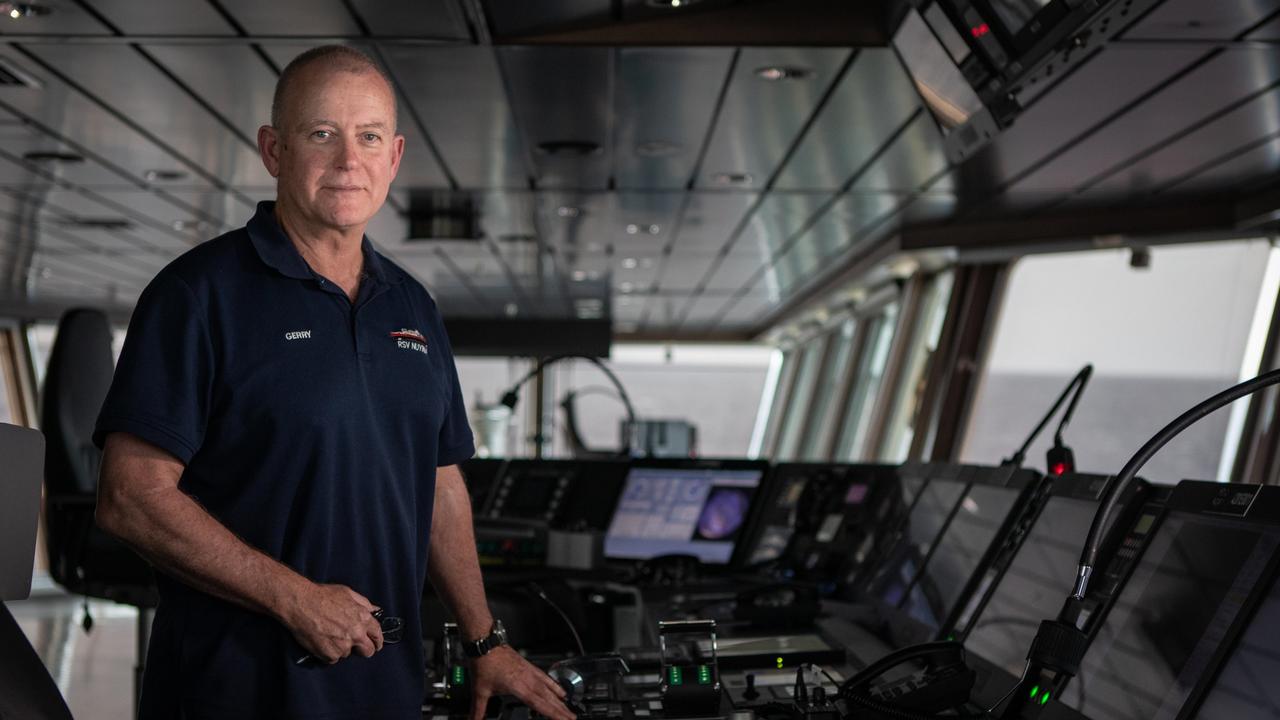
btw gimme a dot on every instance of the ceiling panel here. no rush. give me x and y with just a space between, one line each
171 17
66 17
871 103
914 158
734 271
241 92
436 19
666 97
1227 78
71 116
747 313
703 313
577 221
780 216
1201 20
684 269
563 95
709 218
19 139
1238 172
293 17
155 103
761 118
1099 88
459 95
1214 141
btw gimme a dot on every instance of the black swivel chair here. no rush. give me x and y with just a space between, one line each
82 558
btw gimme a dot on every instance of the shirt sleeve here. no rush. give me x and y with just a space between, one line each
456 442
163 381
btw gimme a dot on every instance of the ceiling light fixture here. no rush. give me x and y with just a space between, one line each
569 148
775 73
629 263
670 4
18 11
164 175
568 211
731 178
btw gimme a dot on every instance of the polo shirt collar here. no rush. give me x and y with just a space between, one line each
277 250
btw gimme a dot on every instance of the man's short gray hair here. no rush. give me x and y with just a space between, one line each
342 57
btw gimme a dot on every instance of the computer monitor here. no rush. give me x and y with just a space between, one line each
697 508
575 495
933 506
23 453
980 521
1213 552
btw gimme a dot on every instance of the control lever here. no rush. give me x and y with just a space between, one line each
751 693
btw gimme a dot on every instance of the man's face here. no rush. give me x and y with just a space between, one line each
337 152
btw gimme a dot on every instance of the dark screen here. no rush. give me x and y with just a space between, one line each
1173 613
1247 687
1015 14
977 522
1035 585
530 495
922 528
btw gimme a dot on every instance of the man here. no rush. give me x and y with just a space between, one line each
281 440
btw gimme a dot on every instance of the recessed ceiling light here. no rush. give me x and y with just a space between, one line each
629 263
17 10
568 211
512 309
782 72
181 225
670 4
164 175
731 178
52 157
634 229
579 275
657 148
626 287
569 148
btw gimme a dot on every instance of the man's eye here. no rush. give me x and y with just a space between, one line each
321 134
371 137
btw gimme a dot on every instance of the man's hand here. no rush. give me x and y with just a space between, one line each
503 672
332 621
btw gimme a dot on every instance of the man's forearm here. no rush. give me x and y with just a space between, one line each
180 538
454 565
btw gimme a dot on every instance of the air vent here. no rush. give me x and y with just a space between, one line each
443 216
98 223
13 76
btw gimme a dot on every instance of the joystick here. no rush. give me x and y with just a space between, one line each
751 693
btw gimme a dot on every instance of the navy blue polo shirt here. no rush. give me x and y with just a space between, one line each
310 426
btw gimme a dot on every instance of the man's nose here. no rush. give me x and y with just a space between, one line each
347 157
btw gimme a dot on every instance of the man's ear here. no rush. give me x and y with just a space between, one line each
269 144
397 152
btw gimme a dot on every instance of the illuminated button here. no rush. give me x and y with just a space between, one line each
675 676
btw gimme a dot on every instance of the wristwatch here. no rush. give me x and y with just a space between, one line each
496 638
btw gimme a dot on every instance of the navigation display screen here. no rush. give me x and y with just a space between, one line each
1034 586
1246 686
923 525
693 511
1172 615
976 523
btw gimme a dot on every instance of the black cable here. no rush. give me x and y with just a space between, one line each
1089 555
1083 376
537 590
512 396
1076 385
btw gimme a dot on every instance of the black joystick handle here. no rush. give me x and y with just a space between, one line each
751 693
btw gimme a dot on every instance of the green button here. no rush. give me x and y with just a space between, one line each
704 675
675 676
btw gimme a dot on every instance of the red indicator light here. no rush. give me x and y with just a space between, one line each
981 30
1058 469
